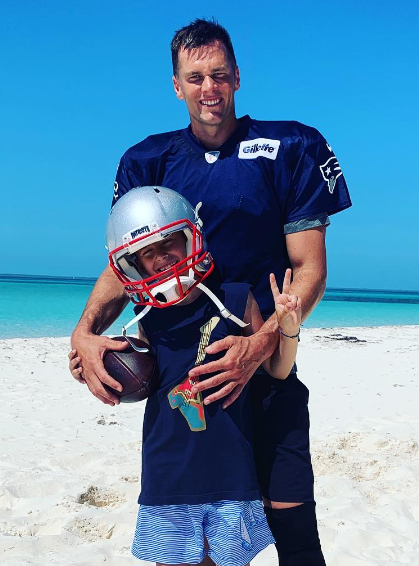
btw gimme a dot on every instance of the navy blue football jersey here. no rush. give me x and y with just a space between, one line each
193 453
267 180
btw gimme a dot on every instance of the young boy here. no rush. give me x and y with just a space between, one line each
199 494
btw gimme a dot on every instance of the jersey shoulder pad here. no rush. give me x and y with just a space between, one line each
287 131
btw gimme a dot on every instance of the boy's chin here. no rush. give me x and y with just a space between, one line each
163 275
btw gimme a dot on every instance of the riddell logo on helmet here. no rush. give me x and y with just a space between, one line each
260 147
140 231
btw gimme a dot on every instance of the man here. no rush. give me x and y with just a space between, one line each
267 189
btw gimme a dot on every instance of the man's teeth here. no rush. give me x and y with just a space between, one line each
211 102
166 267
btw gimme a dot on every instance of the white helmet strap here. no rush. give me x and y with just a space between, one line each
225 313
131 322
223 310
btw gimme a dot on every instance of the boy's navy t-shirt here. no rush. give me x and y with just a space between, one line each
267 180
193 453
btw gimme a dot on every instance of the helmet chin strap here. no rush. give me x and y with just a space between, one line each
131 322
223 310
168 289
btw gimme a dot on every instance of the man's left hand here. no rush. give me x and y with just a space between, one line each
243 356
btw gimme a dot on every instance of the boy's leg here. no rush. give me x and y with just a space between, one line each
206 562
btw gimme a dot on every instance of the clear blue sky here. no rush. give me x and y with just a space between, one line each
81 81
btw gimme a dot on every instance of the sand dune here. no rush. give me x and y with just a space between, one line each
70 466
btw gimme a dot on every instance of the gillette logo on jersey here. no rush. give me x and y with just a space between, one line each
260 147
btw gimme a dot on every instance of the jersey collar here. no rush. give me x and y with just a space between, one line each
228 147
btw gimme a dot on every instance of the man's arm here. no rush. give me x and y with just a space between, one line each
307 253
106 302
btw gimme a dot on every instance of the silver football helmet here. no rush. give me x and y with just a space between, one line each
146 215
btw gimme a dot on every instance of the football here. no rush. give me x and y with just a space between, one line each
136 372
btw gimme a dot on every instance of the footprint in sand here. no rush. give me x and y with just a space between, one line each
12 530
44 528
101 497
90 530
397 447
349 441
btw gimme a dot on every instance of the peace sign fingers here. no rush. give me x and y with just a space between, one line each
284 297
282 308
287 307
274 287
286 285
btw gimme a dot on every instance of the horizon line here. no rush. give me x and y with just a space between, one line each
91 279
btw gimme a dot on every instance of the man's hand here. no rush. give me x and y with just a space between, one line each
243 356
90 350
105 304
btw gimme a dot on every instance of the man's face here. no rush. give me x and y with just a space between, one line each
207 82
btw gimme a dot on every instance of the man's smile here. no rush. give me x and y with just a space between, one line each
212 102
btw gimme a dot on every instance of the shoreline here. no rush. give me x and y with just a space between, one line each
304 329
70 466
91 280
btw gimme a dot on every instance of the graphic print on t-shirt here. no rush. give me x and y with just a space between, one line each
180 397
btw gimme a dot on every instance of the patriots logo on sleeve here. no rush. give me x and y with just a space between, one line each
330 172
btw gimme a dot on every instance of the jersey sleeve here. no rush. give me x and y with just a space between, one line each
318 188
126 178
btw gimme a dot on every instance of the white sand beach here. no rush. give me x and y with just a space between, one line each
70 466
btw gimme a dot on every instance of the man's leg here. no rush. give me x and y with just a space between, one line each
281 445
294 527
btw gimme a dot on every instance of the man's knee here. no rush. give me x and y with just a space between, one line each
295 531
279 504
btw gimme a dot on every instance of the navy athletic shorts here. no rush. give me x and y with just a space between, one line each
281 438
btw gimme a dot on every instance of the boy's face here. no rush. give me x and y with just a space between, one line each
163 255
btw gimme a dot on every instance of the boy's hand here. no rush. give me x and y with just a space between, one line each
75 367
287 307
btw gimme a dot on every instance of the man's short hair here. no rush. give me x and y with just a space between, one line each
197 33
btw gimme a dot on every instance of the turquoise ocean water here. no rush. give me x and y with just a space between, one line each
35 306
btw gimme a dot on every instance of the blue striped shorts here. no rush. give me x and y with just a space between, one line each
236 532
